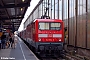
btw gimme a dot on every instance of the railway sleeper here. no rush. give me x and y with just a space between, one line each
83 57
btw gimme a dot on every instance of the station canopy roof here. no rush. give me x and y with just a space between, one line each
12 12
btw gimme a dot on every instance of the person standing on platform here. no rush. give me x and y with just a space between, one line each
13 41
10 40
3 40
7 40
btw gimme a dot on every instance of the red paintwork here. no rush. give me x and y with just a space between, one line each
32 31
50 32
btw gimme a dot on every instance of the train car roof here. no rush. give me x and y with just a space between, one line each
49 20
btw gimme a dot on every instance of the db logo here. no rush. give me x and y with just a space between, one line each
50 35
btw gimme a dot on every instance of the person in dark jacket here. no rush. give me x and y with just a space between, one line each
10 40
3 39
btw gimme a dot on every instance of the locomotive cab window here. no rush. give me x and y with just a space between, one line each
44 26
49 26
55 26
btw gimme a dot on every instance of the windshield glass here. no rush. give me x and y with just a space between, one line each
49 26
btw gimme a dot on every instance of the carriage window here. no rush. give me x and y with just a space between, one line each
49 26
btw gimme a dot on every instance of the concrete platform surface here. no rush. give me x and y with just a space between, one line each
21 52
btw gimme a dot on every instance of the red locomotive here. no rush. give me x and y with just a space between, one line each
45 35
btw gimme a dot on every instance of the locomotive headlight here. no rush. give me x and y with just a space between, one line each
60 40
39 39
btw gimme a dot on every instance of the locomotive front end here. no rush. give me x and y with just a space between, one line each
50 35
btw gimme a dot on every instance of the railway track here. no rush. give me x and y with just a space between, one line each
66 57
52 57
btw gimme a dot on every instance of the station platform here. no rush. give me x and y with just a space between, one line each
21 52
